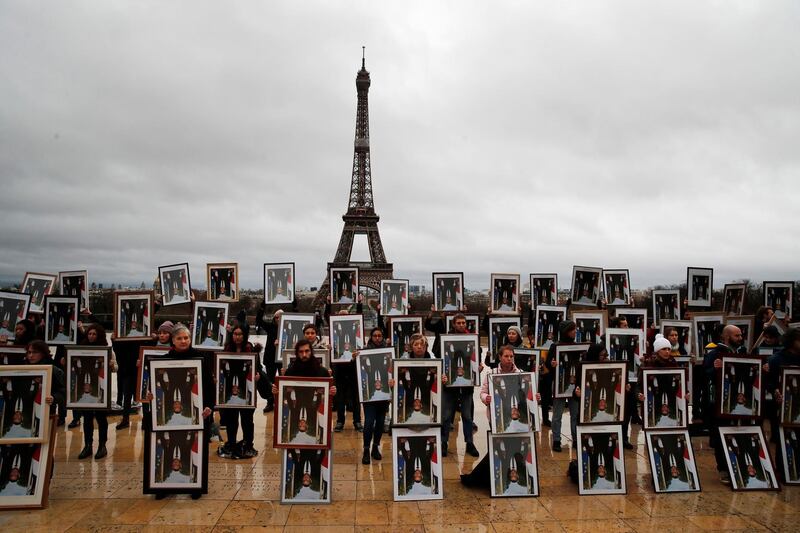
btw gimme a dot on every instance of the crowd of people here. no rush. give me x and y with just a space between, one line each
376 421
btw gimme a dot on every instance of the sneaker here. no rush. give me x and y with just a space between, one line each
248 452
376 453
444 449
724 478
339 427
556 446
75 423
627 445
365 457
472 450
224 451
359 427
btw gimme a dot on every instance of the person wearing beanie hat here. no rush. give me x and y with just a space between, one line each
567 330
660 343
164 334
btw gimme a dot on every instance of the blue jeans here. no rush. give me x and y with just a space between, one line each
374 415
451 396
558 411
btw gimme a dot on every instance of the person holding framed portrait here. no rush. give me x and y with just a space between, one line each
96 336
374 412
182 349
567 330
38 353
237 342
730 343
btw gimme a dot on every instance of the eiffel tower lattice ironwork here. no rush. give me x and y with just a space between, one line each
360 218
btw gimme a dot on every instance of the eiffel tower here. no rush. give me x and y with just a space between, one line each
360 218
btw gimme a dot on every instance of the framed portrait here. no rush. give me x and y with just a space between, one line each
12 355
665 404
401 329
707 327
25 415
175 462
146 353
568 357
473 323
374 370
548 318
505 296
346 337
617 286
460 356
13 308
210 319
177 388
75 283
394 297
222 282
25 471
321 354
88 373
636 317
733 299
789 447
514 465
684 337
417 394
769 350
528 360
306 476
779 295
739 388
544 290
278 283
291 330
498 326
626 344
746 324
236 380
38 285
448 291
672 461
790 389
303 413
133 314
586 285
176 287
699 285
601 465
513 407
749 462
590 325
602 393
417 464
61 319
666 305
344 285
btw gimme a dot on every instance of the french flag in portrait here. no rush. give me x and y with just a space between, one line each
36 457
530 468
434 472
101 382
619 465
250 386
680 401
324 473
197 457
196 398
321 418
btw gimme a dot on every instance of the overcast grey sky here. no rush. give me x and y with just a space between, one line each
506 136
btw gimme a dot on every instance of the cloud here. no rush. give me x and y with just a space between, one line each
505 138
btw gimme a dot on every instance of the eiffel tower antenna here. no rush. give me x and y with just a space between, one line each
360 218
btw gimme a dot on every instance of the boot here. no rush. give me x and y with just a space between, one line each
85 452
376 453
365 457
